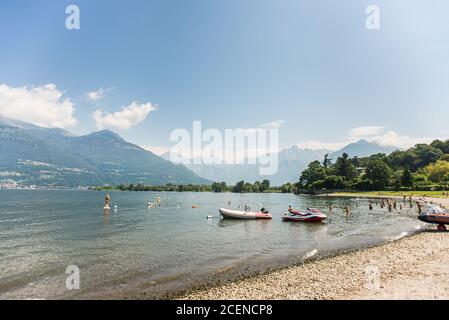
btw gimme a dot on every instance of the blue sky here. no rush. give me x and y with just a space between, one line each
232 64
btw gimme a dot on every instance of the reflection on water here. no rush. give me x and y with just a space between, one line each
166 247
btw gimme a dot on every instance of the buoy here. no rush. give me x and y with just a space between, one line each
209 217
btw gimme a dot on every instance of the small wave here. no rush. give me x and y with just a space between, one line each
395 238
310 254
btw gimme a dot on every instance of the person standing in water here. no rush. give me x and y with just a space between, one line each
107 202
158 201
390 206
419 207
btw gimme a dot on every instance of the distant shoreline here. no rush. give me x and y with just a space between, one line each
388 194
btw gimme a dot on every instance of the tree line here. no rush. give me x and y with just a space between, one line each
423 167
239 187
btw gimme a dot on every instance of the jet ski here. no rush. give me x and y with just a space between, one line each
310 215
435 215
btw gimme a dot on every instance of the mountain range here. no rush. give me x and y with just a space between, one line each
291 162
362 148
51 157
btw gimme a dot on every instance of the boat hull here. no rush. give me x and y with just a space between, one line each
433 218
244 215
297 218
311 215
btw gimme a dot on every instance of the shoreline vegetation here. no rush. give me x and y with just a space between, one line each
421 170
424 167
326 193
217 187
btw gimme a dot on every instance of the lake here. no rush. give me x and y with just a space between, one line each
135 251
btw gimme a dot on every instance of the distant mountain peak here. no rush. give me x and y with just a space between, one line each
29 126
363 148
99 158
105 134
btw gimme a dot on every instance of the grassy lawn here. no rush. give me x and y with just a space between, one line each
433 194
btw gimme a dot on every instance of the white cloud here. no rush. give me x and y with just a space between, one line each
391 138
386 138
99 94
273 125
156 150
125 119
43 106
319 145
372 134
361 132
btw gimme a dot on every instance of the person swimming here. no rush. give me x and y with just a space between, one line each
107 202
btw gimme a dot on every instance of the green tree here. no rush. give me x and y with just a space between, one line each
257 187
239 187
436 171
265 185
379 173
287 188
327 162
248 187
313 173
441 145
218 187
334 182
407 178
344 167
426 155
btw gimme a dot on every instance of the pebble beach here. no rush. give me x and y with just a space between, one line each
414 267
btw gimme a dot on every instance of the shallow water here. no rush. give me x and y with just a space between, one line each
150 252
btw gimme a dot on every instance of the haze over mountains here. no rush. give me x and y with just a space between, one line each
32 155
291 161
52 157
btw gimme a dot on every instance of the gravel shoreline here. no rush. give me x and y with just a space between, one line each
345 276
